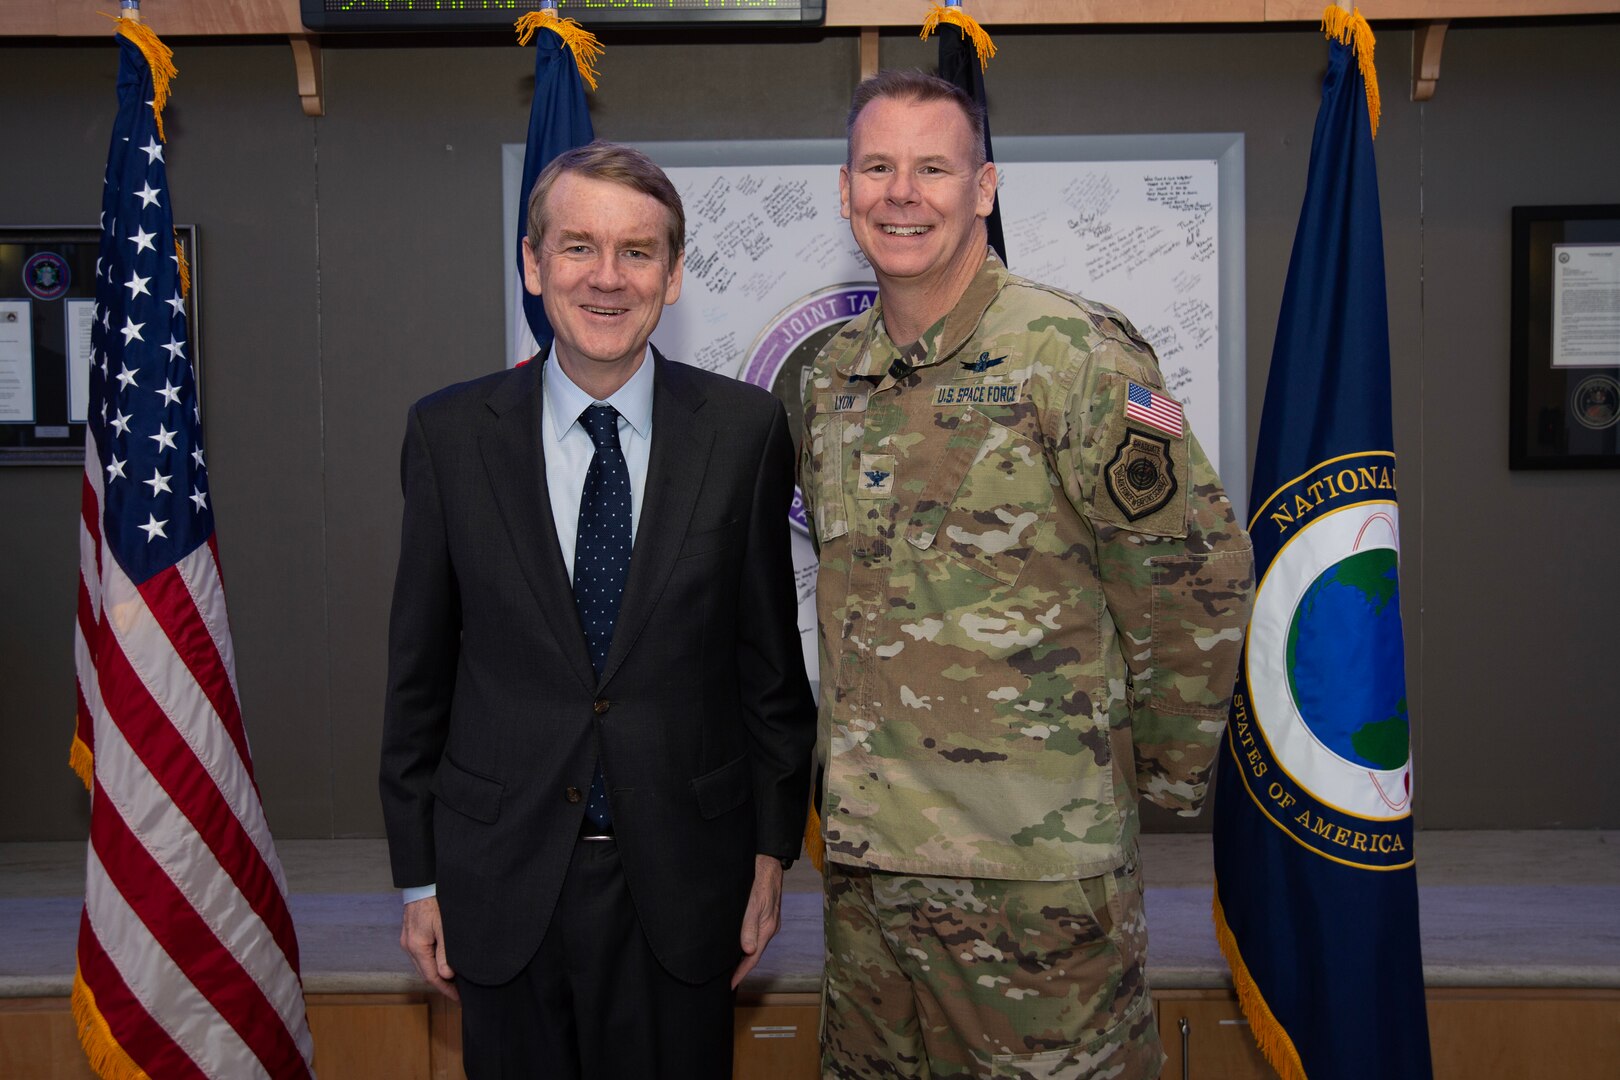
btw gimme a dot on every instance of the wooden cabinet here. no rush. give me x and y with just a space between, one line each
777 1037
1524 1034
1206 1037
1505 1034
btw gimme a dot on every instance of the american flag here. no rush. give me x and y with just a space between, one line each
187 959
1153 409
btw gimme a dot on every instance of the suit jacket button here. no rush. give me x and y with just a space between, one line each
600 707
572 794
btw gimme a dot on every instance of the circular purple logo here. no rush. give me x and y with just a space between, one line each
782 353
46 276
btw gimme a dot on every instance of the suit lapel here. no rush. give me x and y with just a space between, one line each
514 458
681 444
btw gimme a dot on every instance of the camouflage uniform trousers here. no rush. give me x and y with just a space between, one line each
970 977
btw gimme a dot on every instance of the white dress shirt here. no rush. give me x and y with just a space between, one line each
568 453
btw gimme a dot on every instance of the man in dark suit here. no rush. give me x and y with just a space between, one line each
597 733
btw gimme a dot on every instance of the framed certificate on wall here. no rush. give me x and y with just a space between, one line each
1565 382
47 303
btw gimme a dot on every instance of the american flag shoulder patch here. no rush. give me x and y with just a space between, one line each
1154 409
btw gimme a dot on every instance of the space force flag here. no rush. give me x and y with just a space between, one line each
1316 905
564 62
187 962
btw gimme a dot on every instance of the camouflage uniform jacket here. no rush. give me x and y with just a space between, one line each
1030 606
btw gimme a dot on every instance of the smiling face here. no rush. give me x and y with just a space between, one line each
605 271
915 197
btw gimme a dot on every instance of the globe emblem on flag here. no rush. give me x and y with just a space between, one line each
1326 666
1357 709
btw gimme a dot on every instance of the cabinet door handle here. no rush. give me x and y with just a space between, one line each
1186 1051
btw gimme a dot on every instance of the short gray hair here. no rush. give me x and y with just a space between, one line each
616 164
921 87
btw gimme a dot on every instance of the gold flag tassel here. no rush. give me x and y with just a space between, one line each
578 40
814 846
185 267
1269 1035
159 57
1349 28
970 29
82 761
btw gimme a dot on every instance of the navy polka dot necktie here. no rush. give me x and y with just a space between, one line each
602 560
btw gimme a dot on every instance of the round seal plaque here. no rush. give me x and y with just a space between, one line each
785 348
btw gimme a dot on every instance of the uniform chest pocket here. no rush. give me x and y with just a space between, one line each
833 432
986 500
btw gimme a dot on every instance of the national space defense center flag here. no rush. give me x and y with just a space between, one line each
187 960
1315 893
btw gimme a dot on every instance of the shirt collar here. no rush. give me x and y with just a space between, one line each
868 351
565 400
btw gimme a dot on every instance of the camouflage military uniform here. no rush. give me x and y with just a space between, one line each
1031 607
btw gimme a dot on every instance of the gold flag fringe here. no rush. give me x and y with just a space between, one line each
159 57
1349 28
1273 1041
107 1059
970 28
814 846
81 760
578 40
185 267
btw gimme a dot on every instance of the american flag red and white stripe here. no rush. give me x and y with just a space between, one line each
187 958
1152 408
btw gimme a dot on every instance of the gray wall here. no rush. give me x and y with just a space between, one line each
351 264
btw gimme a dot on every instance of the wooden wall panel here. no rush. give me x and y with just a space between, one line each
371 1036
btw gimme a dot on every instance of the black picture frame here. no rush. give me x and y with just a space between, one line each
1564 413
53 437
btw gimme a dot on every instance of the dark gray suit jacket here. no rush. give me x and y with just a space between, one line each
494 717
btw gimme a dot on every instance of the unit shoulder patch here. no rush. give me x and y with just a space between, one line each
1141 479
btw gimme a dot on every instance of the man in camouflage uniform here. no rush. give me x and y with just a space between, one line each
1031 604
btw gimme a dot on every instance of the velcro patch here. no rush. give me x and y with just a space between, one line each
876 479
979 393
1141 479
852 400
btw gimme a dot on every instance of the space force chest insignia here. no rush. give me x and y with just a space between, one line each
1140 477
978 393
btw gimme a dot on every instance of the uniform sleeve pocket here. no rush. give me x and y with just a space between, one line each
1200 611
828 448
467 793
723 789
1139 476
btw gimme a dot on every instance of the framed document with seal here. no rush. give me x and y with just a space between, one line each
1565 385
47 303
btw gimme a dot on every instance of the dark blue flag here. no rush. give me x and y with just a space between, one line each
1316 903
960 66
558 121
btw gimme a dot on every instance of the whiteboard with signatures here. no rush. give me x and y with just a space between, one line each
1152 225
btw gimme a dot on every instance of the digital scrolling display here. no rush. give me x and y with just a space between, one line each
496 14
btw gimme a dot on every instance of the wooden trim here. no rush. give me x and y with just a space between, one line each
306 50
779 998
1427 41
869 52
228 18
1430 10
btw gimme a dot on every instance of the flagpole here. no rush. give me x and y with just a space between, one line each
130 9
